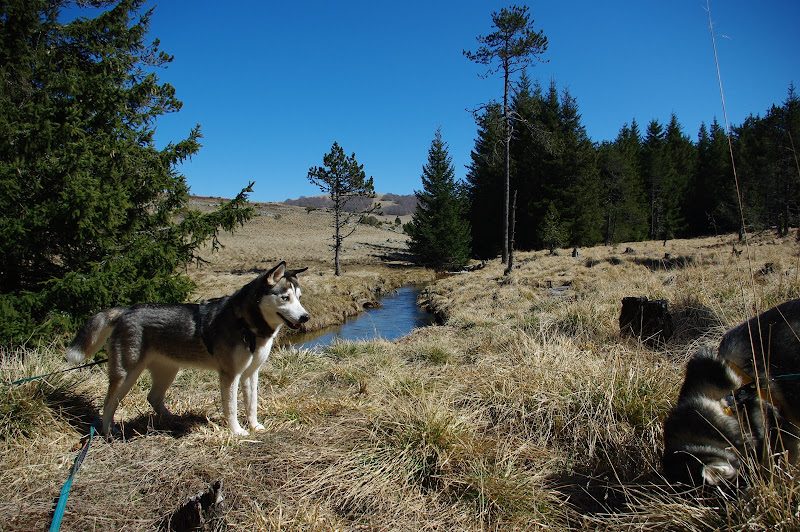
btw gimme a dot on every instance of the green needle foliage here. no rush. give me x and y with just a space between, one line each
92 214
514 46
344 180
439 230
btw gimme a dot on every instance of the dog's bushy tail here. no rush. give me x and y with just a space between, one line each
93 334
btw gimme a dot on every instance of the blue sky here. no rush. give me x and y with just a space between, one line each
274 84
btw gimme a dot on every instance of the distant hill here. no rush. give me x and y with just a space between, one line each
391 204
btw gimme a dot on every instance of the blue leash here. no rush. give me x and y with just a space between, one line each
58 514
90 364
790 377
55 525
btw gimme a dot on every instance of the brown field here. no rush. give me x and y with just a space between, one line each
525 410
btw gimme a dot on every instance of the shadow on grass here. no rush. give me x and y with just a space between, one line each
176 426
597 496
81 413
389 254
76 410
664 264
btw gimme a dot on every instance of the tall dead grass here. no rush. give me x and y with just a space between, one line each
524 410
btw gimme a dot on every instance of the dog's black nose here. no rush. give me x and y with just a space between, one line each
304 318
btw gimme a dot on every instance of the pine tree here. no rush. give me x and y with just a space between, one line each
623 202
525 111
768 170
700 194
515 45
484 183
553 231
91 213
681 156
532 158
439 230
580 194
654 170
548 166
344 180
712 205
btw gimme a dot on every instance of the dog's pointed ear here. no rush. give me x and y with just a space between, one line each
276 274
294 273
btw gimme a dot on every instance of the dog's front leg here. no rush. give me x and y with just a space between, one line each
250 393
229 385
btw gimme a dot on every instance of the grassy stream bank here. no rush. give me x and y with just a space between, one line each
526 409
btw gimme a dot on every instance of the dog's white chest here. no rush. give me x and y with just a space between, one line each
261 353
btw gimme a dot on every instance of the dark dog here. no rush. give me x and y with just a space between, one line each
743 401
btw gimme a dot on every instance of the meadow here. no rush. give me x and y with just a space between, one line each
525 409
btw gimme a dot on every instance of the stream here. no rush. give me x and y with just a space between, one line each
397 316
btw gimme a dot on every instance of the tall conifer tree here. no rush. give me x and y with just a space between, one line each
681 156
485 177
439 230
92 214
514 46
625 217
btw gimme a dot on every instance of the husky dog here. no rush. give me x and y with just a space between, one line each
232 335
742 401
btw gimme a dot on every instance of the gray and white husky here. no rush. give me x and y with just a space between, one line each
232 335
742 401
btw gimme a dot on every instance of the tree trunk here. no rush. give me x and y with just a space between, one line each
511 237
336 270
337 242
507 186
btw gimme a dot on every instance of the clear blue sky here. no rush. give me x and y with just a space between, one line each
274 84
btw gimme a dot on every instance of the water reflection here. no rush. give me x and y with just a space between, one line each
396 317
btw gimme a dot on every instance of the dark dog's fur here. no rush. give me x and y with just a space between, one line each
720 419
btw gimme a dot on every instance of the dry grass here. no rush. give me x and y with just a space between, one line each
524 410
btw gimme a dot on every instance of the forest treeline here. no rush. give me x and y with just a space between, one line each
653 183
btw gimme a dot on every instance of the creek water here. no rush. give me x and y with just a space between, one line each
397 316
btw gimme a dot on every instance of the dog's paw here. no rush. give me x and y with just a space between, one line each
239 431
258 427
112 433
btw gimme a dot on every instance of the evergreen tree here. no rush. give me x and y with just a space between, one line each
553 231
624 207
769 173
514 46
580 189
439 230
680 155
660 186
531 153
725 209
654 171
485 177
344 180
91 213
540 157
712 204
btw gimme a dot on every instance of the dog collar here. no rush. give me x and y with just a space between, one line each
748 383
249 336
746 379
249 339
